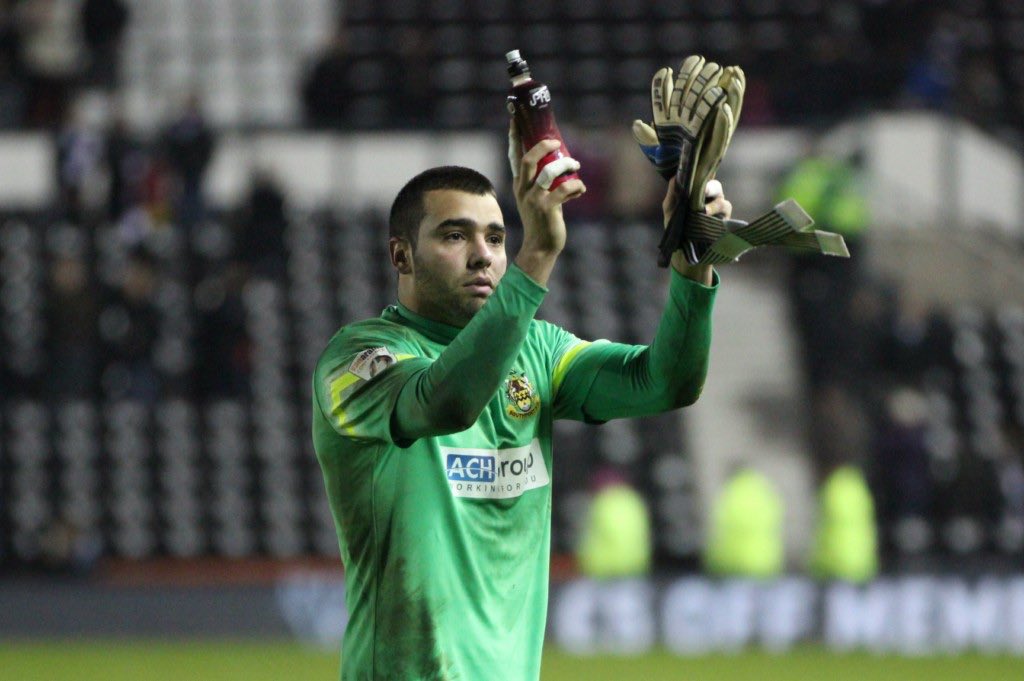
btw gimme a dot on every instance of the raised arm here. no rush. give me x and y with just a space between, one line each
451 394
612 380
448 394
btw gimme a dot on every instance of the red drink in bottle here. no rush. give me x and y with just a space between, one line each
529 102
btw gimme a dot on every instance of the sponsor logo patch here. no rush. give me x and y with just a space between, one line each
494 473
468 467
523 400
540 95
371 362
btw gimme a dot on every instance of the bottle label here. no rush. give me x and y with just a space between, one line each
540 96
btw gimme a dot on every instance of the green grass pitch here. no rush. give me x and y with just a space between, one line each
130 660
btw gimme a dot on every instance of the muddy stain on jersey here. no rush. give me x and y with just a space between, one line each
407 644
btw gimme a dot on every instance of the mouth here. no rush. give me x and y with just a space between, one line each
479 286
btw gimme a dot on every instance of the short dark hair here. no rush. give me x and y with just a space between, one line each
407 211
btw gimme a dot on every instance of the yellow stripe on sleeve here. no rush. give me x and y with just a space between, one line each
562 368
339 384
337 387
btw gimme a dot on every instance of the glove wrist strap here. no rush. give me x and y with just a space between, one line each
709 240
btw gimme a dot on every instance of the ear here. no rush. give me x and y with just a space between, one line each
401 254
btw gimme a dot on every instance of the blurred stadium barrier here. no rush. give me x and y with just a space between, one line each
690 616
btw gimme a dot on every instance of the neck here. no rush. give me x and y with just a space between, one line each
410 301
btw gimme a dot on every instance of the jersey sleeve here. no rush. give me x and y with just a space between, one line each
578 364
600 381
358 379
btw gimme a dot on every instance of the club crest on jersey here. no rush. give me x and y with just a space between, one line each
523 400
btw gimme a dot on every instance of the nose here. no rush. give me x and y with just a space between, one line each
480 255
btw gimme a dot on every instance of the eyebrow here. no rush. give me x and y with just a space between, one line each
467 223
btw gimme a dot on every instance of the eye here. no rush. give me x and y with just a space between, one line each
496 239
453 236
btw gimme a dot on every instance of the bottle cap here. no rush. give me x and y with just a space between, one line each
516 64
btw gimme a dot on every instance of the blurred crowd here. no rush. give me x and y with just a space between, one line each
811 67
144 279
848 58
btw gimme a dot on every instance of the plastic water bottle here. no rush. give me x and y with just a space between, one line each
529 102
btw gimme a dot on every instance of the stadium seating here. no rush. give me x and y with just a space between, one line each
245 57
184 473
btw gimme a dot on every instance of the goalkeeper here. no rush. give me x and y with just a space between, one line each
432 423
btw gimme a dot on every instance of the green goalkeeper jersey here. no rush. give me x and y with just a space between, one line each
445 538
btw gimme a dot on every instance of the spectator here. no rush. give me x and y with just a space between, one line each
12 87
103 25
902 464
260 228
932 75
223 346
188 147
53 54
745 537
412 103
72 321
617 535
126 162
916 339
81 171
326 89
129 325
846 546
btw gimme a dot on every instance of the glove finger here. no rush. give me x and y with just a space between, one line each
688 71
718 132
734 82
719 135
714 143
730 121
705 81
647 139
661 93
702 111
644 134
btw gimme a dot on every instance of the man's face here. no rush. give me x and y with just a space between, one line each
459 256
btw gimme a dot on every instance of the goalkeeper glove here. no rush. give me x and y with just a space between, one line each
695 116
659 141
693 125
